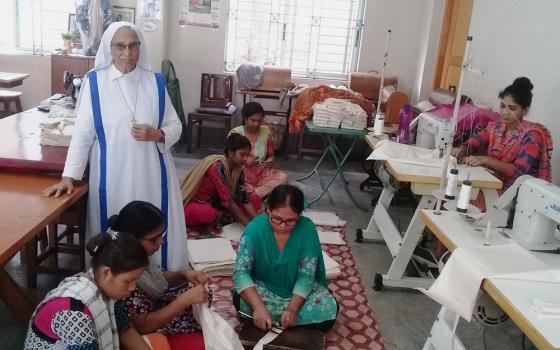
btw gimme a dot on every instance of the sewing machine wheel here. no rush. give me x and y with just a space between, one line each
488 312
378 282
359 236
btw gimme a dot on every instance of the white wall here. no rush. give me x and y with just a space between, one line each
37 86
513 38
404 18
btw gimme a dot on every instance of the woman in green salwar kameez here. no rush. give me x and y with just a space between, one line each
279 272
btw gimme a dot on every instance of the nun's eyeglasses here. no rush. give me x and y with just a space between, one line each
121 47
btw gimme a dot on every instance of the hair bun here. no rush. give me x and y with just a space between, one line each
113 222
523 83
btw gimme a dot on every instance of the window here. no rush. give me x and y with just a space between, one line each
33 25
316 38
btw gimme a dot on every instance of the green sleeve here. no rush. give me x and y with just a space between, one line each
244 264
309 261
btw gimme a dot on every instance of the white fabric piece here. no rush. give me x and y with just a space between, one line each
249 75
323 218
266 339
425 105
332 268
458 284
211 250
233 232
103 59
218 334
57 131
133 167
330 237
57 110
398 152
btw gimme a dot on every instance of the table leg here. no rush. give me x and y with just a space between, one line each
14 298
372 230
314 171
442 334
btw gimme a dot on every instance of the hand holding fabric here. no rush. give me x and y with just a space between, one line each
288 318
476 160
262 318
195 295
196 277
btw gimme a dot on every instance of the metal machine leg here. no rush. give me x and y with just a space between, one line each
442 335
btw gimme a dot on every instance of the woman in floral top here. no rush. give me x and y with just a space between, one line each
512 146
279 272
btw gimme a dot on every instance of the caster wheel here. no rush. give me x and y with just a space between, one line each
378 282
359 236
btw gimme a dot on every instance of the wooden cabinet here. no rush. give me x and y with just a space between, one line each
75 64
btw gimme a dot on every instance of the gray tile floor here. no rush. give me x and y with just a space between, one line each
404 317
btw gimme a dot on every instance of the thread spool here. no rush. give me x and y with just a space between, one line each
451 189
379 124
464 196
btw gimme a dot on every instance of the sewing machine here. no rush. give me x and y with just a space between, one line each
74 82
433 132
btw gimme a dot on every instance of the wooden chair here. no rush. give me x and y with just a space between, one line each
216 96
6 99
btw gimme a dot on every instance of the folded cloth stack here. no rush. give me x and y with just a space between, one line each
215 256
332 268
324 218
334 113
56 131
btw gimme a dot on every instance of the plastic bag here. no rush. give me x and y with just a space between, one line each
218 334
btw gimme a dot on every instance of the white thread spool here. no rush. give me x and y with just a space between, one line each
451 188
379 124
464 197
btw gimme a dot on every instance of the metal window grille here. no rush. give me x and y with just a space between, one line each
34 26
316 38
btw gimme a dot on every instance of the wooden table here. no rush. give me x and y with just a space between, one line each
513 296
19 145
24 213
8 80
381 228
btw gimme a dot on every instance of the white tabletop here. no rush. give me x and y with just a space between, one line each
6 77
513 296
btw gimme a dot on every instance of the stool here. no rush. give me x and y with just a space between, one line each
6 99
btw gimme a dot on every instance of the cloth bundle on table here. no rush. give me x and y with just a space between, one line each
303 108
57 131
470 120
334 113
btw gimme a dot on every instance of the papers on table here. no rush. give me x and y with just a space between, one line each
233 232
332 267
324 218
215 256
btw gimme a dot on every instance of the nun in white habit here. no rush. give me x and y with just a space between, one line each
125 128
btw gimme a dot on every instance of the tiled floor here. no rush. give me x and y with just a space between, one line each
405 317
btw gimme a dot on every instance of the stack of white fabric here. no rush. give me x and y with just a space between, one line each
57 131
334 113
233 231
215 256
324 218
332 268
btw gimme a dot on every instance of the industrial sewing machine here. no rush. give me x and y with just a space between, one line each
432 131
537 213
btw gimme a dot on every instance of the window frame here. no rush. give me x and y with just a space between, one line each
354 40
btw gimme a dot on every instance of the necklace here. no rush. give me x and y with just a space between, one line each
132 111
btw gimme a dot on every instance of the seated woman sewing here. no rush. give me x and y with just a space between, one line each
260 177
216 184
511 146
279 273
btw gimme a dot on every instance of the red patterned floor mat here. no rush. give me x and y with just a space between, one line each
355 327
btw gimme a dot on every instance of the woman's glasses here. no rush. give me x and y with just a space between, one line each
155 239
279 221
121 47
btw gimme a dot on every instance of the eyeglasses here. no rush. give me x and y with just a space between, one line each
279 221
121 47
155 239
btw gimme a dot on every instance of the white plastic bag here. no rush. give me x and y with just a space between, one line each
218 334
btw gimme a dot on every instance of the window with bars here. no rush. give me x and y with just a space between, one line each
316 38
33 26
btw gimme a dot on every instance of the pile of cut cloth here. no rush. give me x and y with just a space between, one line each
334 113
